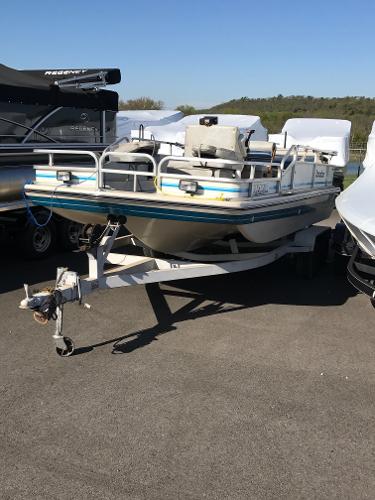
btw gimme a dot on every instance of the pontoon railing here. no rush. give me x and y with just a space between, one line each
55 168
133 173
211 163
157 173
99 170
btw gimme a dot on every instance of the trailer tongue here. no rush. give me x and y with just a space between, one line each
310 246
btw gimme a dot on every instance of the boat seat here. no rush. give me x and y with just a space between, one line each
216 142
142 146
279 158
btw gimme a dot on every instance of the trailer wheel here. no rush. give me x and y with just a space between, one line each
68 349
68 234
37 242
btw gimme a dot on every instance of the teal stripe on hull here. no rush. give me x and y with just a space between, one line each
209 188
165 213
75 177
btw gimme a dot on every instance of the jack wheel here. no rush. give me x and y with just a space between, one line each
69 348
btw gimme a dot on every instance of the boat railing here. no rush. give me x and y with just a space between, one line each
99 170
279 177
68 168
292 151
134 173
283 179
219 163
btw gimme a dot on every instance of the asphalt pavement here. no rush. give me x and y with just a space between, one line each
252 385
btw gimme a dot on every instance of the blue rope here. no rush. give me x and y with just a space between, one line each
30 214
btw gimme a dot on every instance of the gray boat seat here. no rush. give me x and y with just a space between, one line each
216 142
142 146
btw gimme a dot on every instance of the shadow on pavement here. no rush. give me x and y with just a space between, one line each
274 284
15 270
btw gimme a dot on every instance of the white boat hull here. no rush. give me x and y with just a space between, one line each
356 206
171 228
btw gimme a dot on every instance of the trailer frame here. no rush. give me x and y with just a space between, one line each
129 269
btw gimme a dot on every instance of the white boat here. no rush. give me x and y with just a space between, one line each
356 207
319 133
129 121
225 185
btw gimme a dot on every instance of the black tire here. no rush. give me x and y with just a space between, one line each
68 350
68 234
37 242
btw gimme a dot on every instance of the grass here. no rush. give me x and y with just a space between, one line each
348 179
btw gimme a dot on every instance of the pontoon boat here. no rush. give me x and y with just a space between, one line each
225 185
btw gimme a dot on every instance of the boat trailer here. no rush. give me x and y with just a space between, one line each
127 269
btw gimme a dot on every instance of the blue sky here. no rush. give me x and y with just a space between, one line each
201 52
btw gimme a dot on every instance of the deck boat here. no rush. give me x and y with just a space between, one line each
226 184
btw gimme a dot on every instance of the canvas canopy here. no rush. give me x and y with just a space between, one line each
320 133
128 122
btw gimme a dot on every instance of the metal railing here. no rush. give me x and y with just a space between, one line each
99 170
134 173
257 186
54 168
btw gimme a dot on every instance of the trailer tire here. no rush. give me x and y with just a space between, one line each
68 234
37 242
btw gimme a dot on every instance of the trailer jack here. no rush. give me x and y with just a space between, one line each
49 304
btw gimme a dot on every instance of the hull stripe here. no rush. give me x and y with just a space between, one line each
209 188
171 214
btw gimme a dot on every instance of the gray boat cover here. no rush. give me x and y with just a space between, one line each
128 122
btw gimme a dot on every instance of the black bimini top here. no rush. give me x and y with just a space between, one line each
39 87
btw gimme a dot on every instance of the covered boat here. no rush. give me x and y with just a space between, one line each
319 133
129 121
356 205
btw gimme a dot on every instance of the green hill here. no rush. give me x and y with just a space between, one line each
274 111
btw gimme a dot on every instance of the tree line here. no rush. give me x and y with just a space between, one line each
274 111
